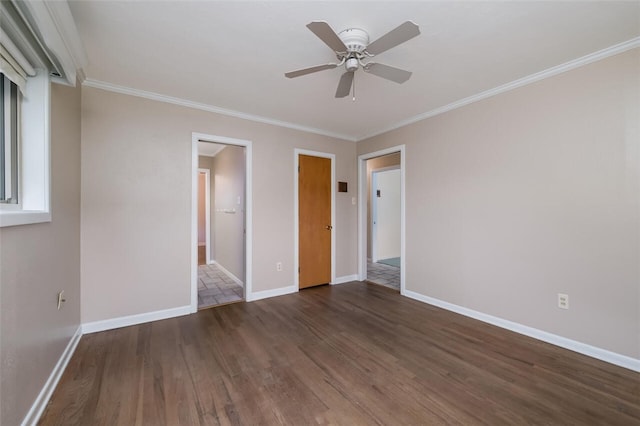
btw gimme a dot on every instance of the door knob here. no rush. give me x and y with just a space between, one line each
328 227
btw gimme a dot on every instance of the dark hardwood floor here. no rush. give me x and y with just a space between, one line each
350 354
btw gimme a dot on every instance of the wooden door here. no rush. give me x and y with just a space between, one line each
314 219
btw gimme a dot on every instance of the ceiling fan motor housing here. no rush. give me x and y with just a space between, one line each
355 39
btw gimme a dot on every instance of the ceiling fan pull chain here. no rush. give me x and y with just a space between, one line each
354 88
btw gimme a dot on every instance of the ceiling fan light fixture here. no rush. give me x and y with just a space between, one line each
351 64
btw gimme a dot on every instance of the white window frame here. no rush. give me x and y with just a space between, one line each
34 181
9 142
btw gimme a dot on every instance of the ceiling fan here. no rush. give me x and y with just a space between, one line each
352 48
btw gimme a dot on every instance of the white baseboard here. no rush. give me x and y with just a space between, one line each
265 294
42 400
345 279
110 324
554 339
227 273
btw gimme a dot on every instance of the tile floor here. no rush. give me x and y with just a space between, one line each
216 288
386 275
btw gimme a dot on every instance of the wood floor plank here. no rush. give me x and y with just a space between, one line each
350 354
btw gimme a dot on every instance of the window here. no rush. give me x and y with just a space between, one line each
39 39
29 172
9 152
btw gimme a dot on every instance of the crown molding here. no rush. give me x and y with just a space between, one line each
210 108
550 72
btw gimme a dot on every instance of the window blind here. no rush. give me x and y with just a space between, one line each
11 67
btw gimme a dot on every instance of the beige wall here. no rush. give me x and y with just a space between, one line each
37 261
376 163
229 177
136 201
534 192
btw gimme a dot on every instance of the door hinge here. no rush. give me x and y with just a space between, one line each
298 169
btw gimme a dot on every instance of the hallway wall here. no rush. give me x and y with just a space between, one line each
376 163
229 181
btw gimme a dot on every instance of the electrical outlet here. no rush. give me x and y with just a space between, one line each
279 266
563 301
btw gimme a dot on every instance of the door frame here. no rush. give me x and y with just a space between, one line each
248 214
362 212
374 209
296 231
207 212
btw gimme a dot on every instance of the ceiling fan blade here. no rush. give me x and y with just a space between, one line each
397 36
388 72
305 71
344 86
327 35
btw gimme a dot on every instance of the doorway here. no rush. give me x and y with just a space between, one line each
314 218
381 232
385 214
222 194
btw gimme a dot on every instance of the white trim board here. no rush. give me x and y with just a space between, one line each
344 279
227 273
266 294
97 84
39 405
112 323
579 347
334 231
550 72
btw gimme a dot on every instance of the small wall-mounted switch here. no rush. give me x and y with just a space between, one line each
61 299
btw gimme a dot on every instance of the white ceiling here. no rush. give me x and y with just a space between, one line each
232 55
209 149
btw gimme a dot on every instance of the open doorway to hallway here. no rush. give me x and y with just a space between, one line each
382 264
221 224
383 220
